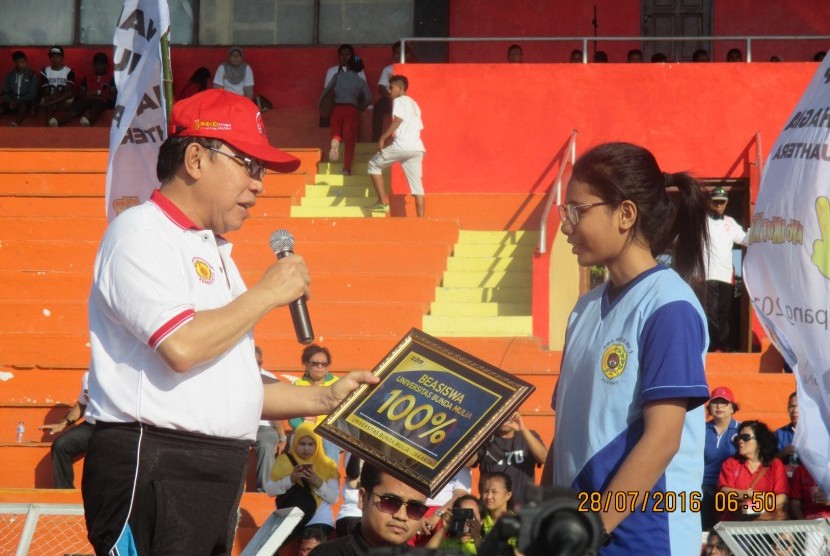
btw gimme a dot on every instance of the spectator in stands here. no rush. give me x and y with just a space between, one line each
406 148
235 75
819 56
73 443
717 294
466 540
774 59
515 450
718 446
807 499
659 58
754 469
19 89
349 513
351 97
600 57
634 56
392 512
576 57
316 360
784 436
312 537
199 81
382 110
514 54
734 55
460 485
96 93
715 546
345 52
306 464
173 369
700 55
496 491
57 86
270 436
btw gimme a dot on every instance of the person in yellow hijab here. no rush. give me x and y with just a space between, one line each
313 466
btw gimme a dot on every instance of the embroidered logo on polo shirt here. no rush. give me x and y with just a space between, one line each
203 270
614 358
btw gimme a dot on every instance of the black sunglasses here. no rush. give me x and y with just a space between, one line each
746 437
390 504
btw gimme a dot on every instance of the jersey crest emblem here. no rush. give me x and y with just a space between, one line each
203 271
614 359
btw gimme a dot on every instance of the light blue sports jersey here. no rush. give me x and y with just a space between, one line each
648 344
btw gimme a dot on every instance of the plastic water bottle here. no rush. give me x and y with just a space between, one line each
20 430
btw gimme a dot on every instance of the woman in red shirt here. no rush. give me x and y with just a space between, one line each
747 479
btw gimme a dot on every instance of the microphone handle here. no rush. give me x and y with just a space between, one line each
299 313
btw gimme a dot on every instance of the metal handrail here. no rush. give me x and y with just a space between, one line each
556 189
586 40
759 156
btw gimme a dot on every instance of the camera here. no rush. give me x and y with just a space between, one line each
460 522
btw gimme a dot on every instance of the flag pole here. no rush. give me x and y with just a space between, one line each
167 75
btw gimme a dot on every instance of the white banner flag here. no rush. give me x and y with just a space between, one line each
139 122
787 268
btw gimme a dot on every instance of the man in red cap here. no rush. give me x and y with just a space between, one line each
718 446
174 383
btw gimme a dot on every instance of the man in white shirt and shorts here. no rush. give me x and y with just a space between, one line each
406 148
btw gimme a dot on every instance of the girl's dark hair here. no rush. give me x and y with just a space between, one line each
621 171
767 443
202 77
171 154
355 64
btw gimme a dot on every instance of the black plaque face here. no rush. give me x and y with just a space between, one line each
435 405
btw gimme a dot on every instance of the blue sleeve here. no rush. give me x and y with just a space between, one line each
671 355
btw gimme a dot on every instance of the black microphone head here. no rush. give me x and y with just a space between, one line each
281 241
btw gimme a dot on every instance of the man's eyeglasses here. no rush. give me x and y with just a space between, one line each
745 437
718 202
570 213
390 504
319 364
254 167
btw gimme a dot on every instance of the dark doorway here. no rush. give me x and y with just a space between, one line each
676 18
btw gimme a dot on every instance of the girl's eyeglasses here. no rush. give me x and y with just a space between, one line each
570 213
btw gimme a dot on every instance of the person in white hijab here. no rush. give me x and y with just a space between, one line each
235 75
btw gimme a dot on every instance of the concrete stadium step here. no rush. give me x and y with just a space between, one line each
341 180
519 237
480 309
487 279
501 294
482 264
359 167
317 190
451 326
492 250
335 212
340 201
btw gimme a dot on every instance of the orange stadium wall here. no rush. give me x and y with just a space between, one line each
532 18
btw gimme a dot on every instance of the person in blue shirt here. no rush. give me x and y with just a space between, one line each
718 447
630 397
784 435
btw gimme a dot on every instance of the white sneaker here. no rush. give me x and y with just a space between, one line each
53 122
84 121
334 151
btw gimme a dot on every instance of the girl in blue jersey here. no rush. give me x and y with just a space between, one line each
629 401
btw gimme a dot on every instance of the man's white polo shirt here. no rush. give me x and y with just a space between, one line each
153 271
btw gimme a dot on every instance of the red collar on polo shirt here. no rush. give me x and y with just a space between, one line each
172 211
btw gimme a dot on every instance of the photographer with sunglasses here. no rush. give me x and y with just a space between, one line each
391 515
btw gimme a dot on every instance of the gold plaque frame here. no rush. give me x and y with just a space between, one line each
433 408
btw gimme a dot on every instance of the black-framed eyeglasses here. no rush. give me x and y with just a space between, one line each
746 437
390 504
254 167
570 212
319 364
718 202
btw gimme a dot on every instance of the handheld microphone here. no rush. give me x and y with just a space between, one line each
282 243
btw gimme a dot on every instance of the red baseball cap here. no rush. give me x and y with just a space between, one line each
232 118
724 393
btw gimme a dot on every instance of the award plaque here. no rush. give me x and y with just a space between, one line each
433 408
